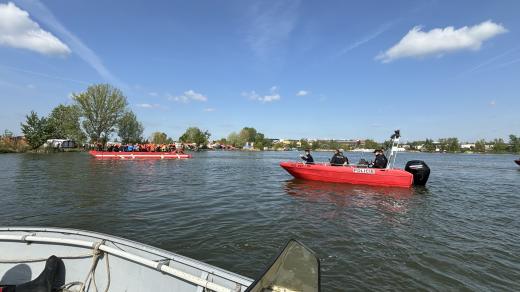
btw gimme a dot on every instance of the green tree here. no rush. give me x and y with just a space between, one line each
160 138
101 107
371 144
248 134
304 144
260 141
499 146
235 140
195 135
36 130
480 146
450 144
129 129
65 123
316 145
428 146
514 141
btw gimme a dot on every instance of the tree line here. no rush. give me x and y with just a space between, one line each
95 114
498 145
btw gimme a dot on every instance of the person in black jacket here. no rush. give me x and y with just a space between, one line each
380 160
307 157
338 159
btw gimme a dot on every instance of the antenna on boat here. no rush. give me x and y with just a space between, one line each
393 150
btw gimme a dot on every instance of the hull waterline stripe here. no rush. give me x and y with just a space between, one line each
123 254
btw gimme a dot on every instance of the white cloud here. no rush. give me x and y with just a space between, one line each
272 96
492 103
153 94
150 106
209 109
271 23
41 13
438 41
189 96
18 30
302 93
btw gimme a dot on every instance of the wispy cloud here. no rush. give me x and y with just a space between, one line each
39 11
44 75
19 31
489 61
154 94
438 41
272 96
188 96
209 109
381 29
270 25
302 93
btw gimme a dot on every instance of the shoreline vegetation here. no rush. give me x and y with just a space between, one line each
100 115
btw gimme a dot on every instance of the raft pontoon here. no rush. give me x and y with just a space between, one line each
138 155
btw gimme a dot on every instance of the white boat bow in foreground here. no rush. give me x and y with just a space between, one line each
89 261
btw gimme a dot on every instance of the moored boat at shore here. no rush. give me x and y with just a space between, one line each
76 260
138 155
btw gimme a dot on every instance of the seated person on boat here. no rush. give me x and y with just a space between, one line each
338 159
307 157
380 160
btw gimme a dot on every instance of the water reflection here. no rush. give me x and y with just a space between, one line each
395 200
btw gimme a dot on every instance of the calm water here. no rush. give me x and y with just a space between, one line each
235 210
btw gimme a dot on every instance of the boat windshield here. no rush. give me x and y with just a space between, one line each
297 268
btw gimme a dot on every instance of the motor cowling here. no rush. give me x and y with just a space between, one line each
420 171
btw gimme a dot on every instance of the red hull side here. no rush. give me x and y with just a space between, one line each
137 155
349 174
517 161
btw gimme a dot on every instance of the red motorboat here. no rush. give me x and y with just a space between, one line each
349 174
517 161
416 172
137 155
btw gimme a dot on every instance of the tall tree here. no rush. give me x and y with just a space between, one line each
129 129
160 138
499 146
65 123
235 140
36 130
248 134
428 146
101 105
480 146
195 135
371 144
514 141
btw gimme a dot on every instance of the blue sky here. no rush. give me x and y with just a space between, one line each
291 69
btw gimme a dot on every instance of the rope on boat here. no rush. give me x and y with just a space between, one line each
100 246
91 276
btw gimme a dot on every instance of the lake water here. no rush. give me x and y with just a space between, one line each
235 210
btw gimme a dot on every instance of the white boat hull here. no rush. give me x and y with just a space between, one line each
121 265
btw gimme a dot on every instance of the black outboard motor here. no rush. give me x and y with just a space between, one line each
419 170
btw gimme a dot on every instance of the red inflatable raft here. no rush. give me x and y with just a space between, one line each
350 174
138 155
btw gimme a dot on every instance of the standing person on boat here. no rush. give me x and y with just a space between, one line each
380 161
338 158
307 157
